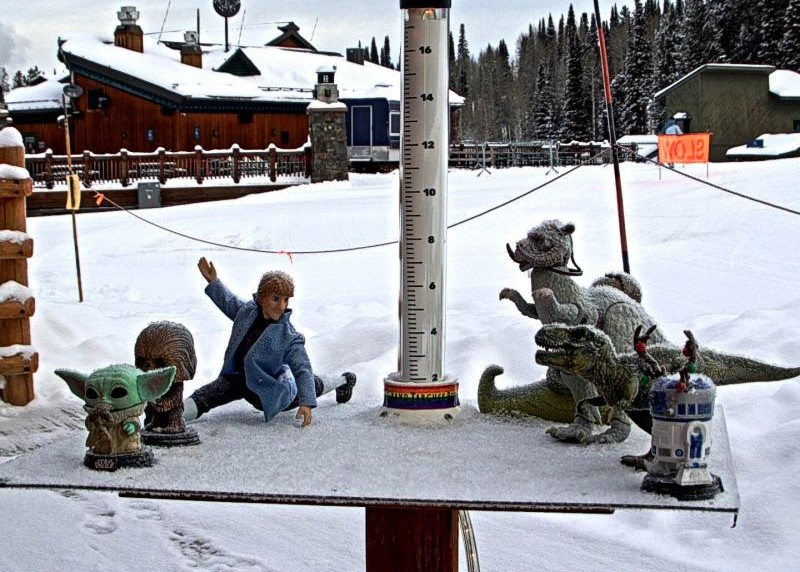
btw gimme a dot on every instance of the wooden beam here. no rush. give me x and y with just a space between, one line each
411 539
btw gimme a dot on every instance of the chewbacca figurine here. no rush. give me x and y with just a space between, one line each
163 344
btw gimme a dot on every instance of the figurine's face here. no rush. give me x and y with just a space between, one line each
118 386
273 305
111 388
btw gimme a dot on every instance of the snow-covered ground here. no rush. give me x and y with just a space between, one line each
722 266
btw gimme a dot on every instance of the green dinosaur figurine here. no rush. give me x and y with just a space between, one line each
611 303
115 397
589 353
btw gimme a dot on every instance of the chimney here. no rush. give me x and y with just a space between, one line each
128 34
355 55
325 88
191 54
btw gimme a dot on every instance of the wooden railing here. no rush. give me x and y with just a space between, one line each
535 154
126 167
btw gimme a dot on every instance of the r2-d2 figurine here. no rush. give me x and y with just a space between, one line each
682 407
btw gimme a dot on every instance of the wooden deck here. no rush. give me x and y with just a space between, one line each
51 202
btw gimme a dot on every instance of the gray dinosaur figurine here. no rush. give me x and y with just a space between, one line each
611 304
590 354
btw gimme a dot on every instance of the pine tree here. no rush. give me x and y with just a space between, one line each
575 124
545 105
772 27
19 80
386 54
373 52
790 46
699 45
5 85
32 74
633 85
463 62
504 94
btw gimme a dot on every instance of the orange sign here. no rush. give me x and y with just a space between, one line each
690 148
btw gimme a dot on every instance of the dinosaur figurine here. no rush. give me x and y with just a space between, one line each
620 377
115 397
611 304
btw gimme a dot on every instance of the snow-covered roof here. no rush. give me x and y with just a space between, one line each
285 74
735 68
44 96
785 84
646 145
774 145
160 67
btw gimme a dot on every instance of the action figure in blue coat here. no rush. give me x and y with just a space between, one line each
266 361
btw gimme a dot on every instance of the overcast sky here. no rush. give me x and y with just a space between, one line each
29 28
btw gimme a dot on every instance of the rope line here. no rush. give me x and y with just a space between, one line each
710 184
101 197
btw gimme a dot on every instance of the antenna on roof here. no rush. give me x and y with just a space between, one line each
166 13
314 29
239 40
227 9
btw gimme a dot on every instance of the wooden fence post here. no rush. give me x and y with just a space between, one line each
123 167
198 164
19 360
87 168
237 168
48 168
162 176
273 163
309 160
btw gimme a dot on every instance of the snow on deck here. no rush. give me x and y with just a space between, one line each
478 462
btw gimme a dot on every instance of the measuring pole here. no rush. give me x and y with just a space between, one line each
421 386
612 136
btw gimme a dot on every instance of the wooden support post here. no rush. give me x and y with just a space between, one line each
309 160
17 366
162 175
273 163
198 165
411 539
237 167
123 167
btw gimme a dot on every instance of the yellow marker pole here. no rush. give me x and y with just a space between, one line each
73 199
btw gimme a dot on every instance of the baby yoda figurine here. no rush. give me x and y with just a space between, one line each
115 398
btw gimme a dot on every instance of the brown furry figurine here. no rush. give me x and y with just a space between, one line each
163 344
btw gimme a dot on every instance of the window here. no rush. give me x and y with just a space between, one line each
284 138
98 99
394 123
797 125
29 140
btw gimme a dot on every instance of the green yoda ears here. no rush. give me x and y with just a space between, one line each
118 386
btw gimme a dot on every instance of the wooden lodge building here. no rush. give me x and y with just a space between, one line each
141 95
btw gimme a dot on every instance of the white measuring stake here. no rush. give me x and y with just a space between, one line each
420 383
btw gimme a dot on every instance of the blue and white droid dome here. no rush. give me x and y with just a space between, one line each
672 399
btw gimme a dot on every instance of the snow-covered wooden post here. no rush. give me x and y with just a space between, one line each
18 359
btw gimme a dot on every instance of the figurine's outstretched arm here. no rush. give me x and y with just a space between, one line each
525 308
